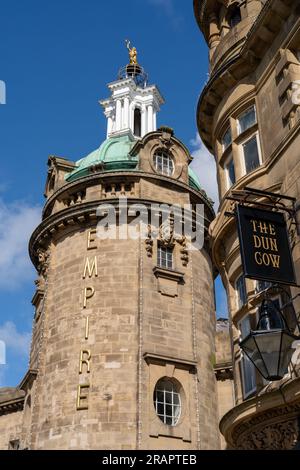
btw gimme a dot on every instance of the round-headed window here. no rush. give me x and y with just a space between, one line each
163 163
167 402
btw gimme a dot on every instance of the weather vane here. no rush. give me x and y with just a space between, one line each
132 52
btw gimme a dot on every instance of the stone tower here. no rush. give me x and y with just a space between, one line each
122 352
249 118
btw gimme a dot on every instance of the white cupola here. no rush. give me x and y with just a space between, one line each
133 104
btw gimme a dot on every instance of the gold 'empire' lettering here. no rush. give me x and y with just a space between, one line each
84 360
87 328
267 259
91 239
87 294
90 269
82 398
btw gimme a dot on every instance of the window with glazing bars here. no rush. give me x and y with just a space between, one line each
167 402
165 257
163 163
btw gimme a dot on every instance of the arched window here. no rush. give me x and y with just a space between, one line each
167 401
163 163
235 16
137 122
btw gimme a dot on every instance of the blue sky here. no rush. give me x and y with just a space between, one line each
56 59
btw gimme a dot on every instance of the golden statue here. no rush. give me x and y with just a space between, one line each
132 53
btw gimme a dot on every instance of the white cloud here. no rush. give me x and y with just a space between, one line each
204 165
17 342
169 10
2 376
17 221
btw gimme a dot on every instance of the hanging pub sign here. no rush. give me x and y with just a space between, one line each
264 244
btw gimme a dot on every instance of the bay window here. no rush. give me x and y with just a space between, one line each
241 291
250 150
230 171
227 139
239 146
246 120
248 373
248 140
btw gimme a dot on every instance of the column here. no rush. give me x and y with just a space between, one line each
126 113
109 126
130 116
144 116
118 114
154 122
214 34
150 118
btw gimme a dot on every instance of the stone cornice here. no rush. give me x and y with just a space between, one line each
200 7
223 371
130 83
79 214
168 274
181 363
95 178
30 376
12 405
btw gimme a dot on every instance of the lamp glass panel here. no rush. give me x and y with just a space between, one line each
286 352
250 348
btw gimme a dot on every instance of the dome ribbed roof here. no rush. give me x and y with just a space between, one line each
114 154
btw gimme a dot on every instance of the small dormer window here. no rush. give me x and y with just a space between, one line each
163 163
137 122
235 17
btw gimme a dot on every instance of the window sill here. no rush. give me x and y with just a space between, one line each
168 274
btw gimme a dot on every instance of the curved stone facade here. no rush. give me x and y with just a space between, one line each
249 119
111 322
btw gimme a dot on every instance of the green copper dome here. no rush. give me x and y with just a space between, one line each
113 154
195 184
194 180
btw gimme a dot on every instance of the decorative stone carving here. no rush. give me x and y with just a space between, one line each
166 138
40 283
183 251
277 436
275 429
51 177
166 232
149 242
43 262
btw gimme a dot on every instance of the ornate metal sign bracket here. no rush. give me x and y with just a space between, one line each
269 201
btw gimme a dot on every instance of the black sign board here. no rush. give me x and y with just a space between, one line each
264 244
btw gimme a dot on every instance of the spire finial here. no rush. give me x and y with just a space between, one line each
132 52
